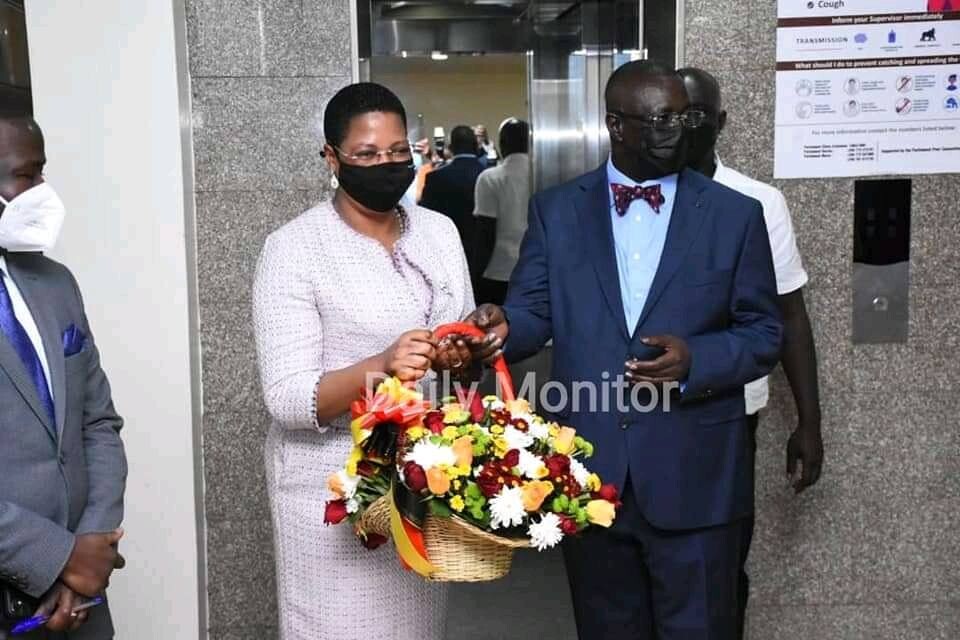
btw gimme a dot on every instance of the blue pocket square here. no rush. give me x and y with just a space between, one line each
73 341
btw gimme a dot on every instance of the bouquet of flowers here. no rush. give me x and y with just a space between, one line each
488 469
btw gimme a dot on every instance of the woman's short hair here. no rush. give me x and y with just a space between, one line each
355 100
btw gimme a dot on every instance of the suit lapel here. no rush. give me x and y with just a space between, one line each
685 222
593 210
43 314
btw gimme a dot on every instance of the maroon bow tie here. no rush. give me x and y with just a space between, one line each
623 195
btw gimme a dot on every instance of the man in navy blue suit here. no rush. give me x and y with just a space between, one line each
658 281
450 190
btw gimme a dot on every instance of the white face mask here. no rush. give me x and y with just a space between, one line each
31 221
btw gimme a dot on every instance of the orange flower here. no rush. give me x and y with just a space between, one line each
335 485
563 443
534 493
463 449
601 512
437 481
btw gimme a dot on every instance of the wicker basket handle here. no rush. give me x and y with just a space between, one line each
504 381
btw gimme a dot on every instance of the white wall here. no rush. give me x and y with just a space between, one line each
106 93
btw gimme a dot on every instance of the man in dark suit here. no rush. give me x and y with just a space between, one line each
659 279
62 461
450 190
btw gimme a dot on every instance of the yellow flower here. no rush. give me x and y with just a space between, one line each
490 399
449 433
553 429
496 429
457 485
534 493
601 512
437 481
500 447
541 472
463 449
563 443
415 433
453 413
457 503
593 482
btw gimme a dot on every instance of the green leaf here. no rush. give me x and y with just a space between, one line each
440 508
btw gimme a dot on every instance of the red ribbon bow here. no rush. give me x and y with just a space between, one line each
623 195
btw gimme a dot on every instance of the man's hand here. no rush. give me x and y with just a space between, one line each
453 355
491 319
91 562
805 447
671 366
59 603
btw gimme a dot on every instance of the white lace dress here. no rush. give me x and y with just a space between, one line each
324 298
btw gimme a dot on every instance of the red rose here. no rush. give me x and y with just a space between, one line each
433 420
336 512
512 459
609 493
415 477
558 465
373 540
568 526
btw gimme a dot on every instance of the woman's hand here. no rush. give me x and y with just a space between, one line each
411 356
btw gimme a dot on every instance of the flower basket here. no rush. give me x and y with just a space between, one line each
459 487
460 551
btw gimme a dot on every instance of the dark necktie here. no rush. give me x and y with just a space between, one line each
21 343
624 195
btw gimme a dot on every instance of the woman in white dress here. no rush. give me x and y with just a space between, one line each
348 289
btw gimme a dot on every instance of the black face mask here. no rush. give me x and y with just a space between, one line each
660 153
701 142
378 187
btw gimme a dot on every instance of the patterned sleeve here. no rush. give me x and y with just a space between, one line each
289 335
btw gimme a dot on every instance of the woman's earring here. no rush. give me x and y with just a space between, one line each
334 183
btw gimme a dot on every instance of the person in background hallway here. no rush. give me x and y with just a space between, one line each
449 189
501 211
486 151
62 464
799 357
344 293
648 272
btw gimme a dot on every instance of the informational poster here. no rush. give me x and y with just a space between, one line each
867 87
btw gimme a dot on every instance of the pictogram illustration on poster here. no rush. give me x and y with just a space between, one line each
867 88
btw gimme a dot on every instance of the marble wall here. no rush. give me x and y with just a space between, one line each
866 554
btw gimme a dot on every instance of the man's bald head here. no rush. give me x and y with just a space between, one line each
22 156
629 80
703 89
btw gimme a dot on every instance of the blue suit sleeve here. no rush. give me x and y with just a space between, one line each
750 348
527 305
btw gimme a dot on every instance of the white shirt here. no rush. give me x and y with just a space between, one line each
502 193
22 312
783 244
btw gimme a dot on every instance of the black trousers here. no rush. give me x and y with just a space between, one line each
743 581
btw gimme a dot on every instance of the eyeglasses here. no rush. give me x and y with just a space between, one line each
690 119
368 157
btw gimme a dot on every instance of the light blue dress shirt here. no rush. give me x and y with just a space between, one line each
638 238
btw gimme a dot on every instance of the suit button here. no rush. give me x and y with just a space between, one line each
624 424
709 392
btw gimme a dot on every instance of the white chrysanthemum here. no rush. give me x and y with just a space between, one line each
428 455
493 403
516 439
530 465
539 430
348 483
546 533
506 508
579 472
352 505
